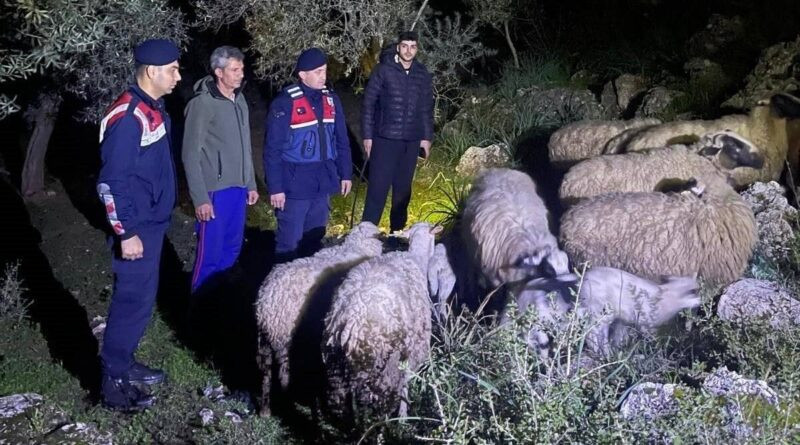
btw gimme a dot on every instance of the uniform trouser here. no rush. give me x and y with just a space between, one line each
301 227
132 301
219 240
391 164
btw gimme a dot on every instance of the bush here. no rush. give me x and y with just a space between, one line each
483 384
13 307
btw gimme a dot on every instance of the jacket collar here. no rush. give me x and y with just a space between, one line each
395 61
211 85
144 97
311 93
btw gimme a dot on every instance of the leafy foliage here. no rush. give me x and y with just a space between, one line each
81 47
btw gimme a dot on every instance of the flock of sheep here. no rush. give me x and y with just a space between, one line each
652 207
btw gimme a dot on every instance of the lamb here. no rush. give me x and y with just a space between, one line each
716 154
767 126
505 228
586 139
611 299
710 231
380 317
298 293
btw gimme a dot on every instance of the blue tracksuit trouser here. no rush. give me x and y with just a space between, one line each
219 240
132 301
301 227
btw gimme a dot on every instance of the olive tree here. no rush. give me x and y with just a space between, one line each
352 32
74 49
498 14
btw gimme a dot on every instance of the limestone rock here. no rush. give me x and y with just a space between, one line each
778 70
657 101
477 159
649 401
749 300
773 216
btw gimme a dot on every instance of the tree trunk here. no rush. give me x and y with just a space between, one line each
44 118
511 45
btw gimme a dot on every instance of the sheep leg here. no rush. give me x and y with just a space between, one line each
403 410
265 364
282 356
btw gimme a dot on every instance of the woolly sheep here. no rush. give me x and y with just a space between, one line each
292 291
380 317
611 300
586 139
716 154
766 126
711 233
505 228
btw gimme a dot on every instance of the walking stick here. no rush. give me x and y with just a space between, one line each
355 194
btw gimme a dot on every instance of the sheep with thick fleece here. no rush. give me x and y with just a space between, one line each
611 299
717 154
768 127
506 230
586 139
710 232
380 317
301 289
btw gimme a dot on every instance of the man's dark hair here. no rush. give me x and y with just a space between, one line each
408 35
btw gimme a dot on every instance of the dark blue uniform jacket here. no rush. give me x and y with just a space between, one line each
304 180
137 178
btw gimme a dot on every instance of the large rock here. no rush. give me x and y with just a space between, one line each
778 70
774 217
629 88
608 99
657 102
477 159
561 105
750 300
51 424
719 34
733 388
649 401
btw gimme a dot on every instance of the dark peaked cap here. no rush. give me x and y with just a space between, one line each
156 52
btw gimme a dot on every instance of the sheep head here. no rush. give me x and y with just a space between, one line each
730 150
421 241
677 294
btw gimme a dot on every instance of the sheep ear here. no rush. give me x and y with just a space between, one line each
437 229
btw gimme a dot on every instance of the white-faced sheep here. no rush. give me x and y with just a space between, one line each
505 228
611 300
586 139
766 127
380 318
710 233
717 154
298 293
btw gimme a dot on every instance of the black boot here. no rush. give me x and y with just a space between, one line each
121 395
144 375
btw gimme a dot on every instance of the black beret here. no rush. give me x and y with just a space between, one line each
156 52
310 59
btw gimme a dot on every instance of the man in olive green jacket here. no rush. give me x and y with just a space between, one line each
218 161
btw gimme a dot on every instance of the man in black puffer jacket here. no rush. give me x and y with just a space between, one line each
397 122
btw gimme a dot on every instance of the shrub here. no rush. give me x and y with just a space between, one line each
13 307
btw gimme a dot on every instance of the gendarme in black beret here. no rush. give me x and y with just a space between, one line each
156 52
